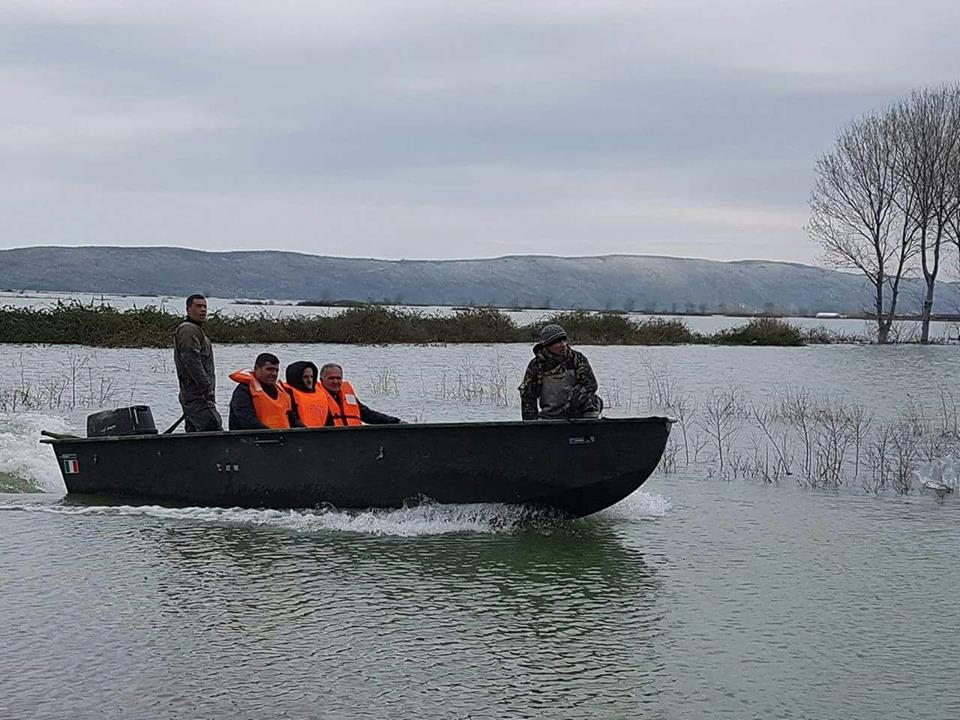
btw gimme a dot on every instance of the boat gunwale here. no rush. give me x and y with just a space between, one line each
392 427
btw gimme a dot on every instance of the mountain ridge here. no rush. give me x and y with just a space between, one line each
617 281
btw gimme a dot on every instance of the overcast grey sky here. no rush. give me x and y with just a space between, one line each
438 129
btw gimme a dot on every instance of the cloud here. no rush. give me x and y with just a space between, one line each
437 215
431 129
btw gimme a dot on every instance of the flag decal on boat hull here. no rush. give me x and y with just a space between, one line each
70 464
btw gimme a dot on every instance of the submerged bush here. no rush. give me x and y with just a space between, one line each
661 331
103 326
761 331
592 328
616 329
482 324
80 324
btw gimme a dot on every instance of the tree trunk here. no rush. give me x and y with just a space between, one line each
927 311
883 326
883 331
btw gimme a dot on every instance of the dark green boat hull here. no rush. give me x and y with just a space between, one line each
577 467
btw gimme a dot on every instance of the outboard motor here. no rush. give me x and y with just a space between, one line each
136 420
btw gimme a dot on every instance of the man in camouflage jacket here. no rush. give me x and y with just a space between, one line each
193 357
559 382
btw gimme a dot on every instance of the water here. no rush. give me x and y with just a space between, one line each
694 597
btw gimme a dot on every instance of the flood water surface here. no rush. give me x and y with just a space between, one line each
691 598
696 597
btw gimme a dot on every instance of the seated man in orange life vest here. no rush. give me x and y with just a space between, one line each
343 407
259 402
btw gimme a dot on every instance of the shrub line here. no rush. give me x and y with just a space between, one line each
104 326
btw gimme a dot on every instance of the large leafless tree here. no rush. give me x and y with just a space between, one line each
859 211
927 133
953 183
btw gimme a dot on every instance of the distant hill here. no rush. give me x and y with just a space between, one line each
640 282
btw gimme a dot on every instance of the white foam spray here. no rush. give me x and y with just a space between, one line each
641 505
426 519
21 452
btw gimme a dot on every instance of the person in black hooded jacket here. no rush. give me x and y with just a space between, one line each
309 406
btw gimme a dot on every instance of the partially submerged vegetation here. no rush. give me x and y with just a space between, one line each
761 331
814 441
614 329
103 326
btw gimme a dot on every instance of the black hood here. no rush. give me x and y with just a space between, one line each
295 375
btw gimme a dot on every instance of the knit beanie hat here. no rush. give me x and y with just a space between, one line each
549 334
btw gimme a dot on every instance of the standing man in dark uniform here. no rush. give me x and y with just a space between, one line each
193 356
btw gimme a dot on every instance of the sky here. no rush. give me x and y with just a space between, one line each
437 129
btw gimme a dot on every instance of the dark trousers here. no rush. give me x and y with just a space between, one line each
204 420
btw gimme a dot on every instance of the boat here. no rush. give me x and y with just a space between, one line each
576 467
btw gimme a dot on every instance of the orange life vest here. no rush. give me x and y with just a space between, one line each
312 407
347 411
272 412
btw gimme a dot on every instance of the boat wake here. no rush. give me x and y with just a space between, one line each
21 455
421 520
641 505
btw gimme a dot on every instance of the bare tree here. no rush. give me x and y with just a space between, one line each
927 130
855 212
953 176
